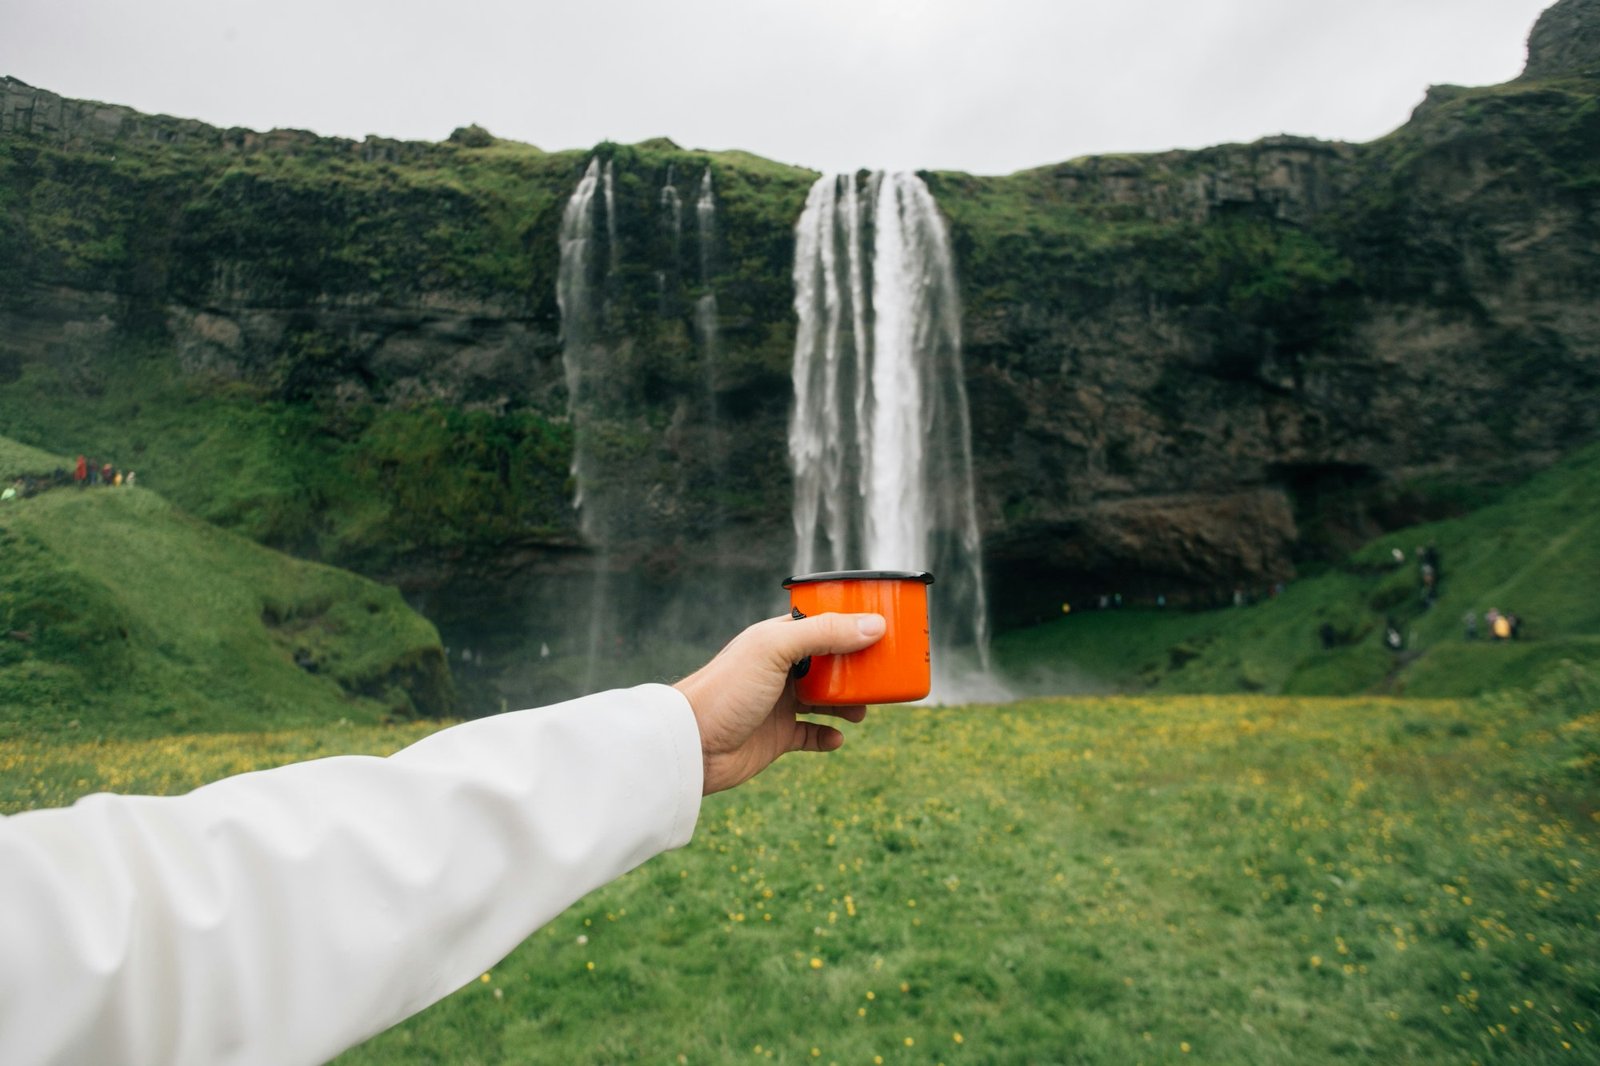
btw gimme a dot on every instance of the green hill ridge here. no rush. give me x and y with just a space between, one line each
122 615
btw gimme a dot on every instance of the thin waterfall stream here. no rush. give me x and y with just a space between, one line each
582 359
664 580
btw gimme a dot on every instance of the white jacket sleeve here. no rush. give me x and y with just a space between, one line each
283 916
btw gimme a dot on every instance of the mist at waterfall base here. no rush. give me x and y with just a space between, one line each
879 441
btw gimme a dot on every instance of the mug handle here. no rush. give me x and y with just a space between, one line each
803 667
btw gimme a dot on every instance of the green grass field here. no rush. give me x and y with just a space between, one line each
1239 879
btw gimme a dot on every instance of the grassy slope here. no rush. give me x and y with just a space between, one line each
17 459
121 615
1175 879
1535 552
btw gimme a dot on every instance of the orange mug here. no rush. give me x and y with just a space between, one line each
897 668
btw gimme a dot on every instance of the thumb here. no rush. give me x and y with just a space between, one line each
826 634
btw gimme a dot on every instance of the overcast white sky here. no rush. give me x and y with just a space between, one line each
987 86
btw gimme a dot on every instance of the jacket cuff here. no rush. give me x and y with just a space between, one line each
682 739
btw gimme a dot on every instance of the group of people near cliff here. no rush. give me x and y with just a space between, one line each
84 473
88 472
1496 624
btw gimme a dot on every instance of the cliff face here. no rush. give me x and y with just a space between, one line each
1195 369
1279 327
1188 371
236 247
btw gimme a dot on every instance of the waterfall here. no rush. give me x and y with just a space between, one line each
879 436
579 317
705 213
607 177
706 323
673 203
626 609
589 389
705 308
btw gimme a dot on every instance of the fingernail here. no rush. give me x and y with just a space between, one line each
871 625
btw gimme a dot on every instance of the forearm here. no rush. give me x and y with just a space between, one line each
286 915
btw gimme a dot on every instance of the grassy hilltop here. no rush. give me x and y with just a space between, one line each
121 615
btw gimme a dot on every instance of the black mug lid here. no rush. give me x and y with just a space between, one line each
860 575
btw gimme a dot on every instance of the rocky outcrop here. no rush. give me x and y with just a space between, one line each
1145 550
1290 179
79 124
1565 42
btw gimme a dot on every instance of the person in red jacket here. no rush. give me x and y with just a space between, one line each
80 473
